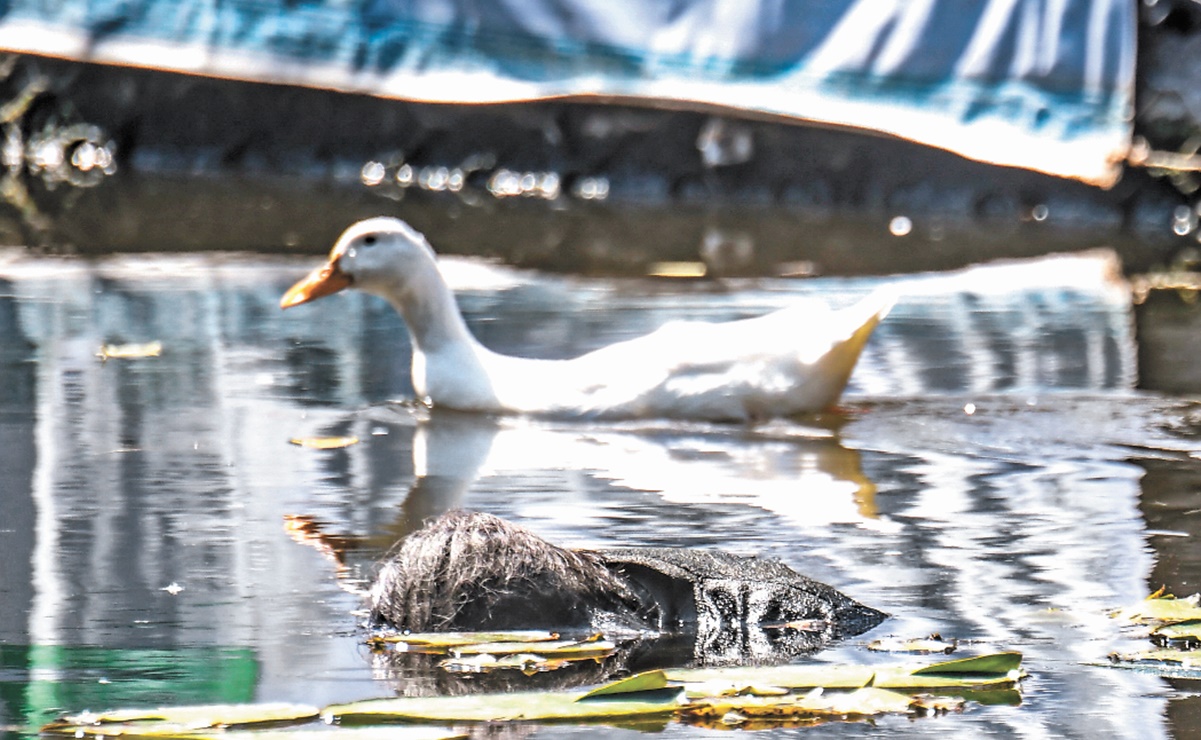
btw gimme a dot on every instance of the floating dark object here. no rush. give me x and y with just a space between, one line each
474 571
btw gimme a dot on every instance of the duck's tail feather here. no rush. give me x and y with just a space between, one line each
834 368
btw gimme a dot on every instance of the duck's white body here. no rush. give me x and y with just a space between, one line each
793 361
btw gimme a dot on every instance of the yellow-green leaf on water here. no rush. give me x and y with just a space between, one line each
998 669
919 646
340 733
559 648
443 641
789 676
645 681
1171 656
164 721
1190 630
528 705
1162 610
324 443
312 731
864 702
129 351
717 688
529 663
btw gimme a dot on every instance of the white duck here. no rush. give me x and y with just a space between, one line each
793 361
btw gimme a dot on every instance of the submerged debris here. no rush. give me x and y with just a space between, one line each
129 351
324 443
469 571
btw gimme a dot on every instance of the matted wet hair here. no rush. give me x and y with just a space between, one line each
468 570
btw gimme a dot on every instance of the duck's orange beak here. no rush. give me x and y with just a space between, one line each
323 281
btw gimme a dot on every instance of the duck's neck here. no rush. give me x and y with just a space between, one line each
429 309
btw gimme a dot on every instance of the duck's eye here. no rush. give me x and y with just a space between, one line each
368 240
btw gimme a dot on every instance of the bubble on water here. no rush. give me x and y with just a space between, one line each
507 184
900 225
435 179
1183 220
504 183
548 185
405 176
372 173
88 156
1040 212
969 408
722 142
591 188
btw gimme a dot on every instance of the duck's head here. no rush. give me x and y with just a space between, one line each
373 255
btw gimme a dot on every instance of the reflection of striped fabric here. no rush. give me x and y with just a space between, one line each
956 334
1043 85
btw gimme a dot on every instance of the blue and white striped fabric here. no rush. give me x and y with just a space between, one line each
1041 84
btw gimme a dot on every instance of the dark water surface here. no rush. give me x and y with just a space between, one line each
992 477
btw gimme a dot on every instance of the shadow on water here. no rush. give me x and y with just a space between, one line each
992 476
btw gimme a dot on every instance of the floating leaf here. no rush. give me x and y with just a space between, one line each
311 731
1189 631
801 625
1168 663
324 443
1171 656
1162 609
998 669
787 676
995 663
529 663
442 642
718 688
677 269
645 681
864 702
919 646
591 647
129 351
528 705
341 733
172 721
166 731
